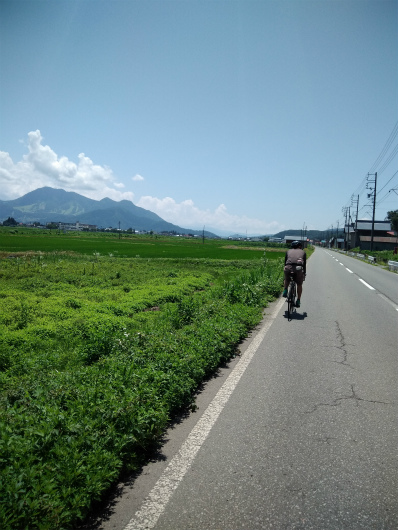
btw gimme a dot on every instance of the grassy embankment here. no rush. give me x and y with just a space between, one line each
382 256
97 353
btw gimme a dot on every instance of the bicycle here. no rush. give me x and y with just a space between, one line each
292 293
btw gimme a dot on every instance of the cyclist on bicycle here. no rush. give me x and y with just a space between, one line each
295 257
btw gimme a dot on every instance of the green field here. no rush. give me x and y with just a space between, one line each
99 351
130 246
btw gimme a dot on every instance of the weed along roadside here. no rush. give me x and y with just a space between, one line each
90 375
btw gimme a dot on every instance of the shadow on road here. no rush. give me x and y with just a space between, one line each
295 315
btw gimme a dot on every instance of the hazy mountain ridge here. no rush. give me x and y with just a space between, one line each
311 234
46 205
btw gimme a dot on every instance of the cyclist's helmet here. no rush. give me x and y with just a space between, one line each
295 244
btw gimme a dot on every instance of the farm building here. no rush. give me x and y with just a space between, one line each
361 235
288 239
77 227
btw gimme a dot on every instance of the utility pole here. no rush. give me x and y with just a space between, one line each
353 202
372 193
345 211
348 226
203 235
303 232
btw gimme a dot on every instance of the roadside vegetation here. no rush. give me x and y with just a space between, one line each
98 352
382 256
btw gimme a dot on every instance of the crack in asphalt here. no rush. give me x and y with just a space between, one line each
337 401
342 346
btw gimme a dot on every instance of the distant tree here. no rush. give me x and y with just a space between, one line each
52 226
392 217
10 222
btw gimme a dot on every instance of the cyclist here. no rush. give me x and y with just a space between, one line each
295 256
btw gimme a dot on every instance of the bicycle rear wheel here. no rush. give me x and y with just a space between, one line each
291 298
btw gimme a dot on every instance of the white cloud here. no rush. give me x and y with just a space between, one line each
187 215
41 166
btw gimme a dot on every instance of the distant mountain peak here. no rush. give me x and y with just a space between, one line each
48 205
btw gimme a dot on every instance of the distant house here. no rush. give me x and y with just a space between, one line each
77 227
336 242
339 242
361 235
289 239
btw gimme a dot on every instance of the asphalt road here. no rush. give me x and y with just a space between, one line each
301 432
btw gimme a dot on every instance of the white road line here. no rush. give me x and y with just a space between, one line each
349 271
367 285
384 297
154 505
341 264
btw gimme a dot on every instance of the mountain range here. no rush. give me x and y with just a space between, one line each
47 205
312 234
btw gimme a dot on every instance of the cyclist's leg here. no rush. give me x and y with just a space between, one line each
286 281
299 280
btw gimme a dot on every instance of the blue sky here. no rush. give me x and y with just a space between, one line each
240 116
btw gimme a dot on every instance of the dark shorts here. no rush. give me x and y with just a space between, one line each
297 275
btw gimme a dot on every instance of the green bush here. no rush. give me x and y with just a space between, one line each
382 256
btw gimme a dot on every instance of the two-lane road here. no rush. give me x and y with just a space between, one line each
304 432
382 281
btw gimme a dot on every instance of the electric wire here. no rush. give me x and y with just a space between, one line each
382 199
392 155
380 168
388 181
386 147
363 185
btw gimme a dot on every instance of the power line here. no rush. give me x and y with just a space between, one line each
392 155
362 186
385 148
382 199
388 181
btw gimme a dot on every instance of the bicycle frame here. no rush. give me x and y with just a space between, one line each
292 293
291 296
